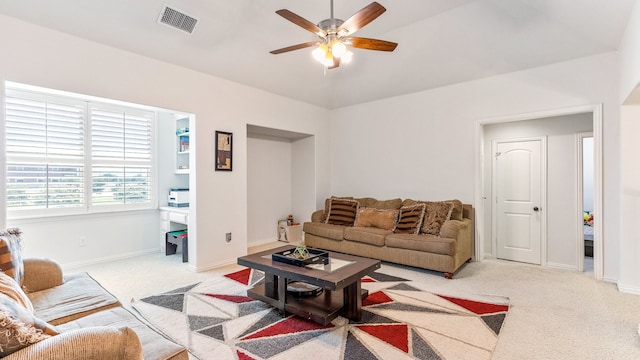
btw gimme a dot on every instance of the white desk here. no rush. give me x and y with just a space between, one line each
179 215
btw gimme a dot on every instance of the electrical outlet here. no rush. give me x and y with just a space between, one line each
228 237
83 241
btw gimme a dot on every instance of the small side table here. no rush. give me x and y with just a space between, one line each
292 233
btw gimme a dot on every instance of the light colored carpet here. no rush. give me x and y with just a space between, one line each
554 314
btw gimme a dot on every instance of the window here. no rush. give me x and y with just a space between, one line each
71 156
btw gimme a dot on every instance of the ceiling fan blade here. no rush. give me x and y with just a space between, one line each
366 15
302 22
294 47
371 44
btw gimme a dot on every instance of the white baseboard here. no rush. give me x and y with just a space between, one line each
628 289
214 266
78 264
261 242
562 266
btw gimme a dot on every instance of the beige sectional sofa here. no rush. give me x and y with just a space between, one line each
82 319
440 238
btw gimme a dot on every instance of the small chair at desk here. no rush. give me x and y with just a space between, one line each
171 243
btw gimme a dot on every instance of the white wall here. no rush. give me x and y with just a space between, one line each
562 181
630 279
303 191
268 186
38 56
630 130
630 55
423 145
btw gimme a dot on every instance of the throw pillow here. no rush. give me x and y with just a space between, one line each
456 212
11 254
18 313
15 335
411 218
19 328
378 218
436 214
10 288
327 205
342 212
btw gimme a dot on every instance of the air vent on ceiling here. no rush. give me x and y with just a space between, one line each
177 19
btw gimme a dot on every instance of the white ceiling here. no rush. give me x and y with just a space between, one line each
441 42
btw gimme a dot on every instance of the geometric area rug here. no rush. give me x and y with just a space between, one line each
215 319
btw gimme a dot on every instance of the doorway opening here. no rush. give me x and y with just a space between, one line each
585 197
280 182
564 247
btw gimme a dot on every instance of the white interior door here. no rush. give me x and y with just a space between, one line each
518 194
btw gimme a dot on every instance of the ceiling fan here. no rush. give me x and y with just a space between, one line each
335 35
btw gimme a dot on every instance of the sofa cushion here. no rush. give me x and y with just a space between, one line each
367 235
342 212
366 201
410 219
422 242
11 254
79 295
377 218
386 204
334 232
154 345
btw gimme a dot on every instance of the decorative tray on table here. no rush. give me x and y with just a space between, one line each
308 257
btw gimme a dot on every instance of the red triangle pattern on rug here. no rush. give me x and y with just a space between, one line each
396 335
232 298
288 326
243 356
376 298
479 308
241 276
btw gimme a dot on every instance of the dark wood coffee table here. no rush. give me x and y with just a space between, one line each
340 279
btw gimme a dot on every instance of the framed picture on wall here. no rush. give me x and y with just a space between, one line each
224 151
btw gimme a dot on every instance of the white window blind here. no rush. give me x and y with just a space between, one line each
120 156
45 146
69 156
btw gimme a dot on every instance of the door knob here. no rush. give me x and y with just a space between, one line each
535 208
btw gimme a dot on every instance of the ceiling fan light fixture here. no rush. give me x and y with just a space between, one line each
338 49
328 59
346 57
320 52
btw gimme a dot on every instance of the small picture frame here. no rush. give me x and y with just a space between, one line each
224 151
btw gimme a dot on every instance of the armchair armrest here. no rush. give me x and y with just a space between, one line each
104 342
450 228
317 216
40 274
